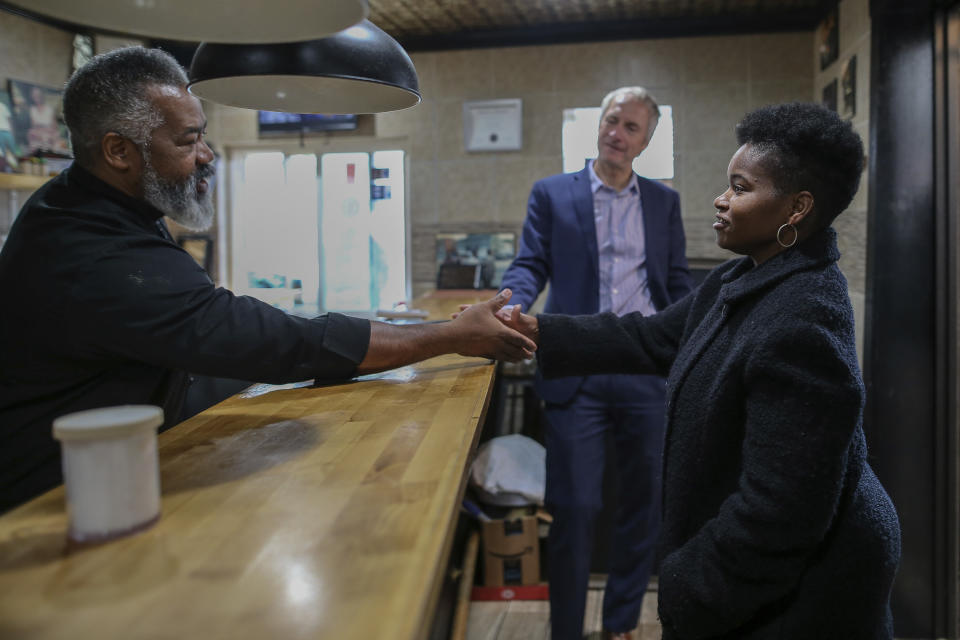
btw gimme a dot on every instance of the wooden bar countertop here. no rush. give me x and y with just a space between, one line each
287 512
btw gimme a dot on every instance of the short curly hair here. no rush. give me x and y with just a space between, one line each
807 147
109 93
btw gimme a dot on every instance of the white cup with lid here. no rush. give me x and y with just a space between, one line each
110 470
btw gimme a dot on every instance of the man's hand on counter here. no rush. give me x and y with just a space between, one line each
476 331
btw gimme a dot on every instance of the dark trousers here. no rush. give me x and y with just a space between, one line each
630 409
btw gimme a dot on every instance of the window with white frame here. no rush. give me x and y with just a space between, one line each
317 233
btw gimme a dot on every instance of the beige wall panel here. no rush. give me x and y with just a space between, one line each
860 199
711 116
705 178
764 93
854 21
780 57
542 119
466 190
104 43
422 197
467 75
719 60
449 130
399 123
424 135
585 67
851 227
523 70
652 63
583 98
17 46
34 52
862 52
539 168
238 126
426 66
514 179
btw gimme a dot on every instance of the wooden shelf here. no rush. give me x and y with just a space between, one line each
21 181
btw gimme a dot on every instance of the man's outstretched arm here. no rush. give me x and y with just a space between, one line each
475 332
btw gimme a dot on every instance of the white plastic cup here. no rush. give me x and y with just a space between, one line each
110 470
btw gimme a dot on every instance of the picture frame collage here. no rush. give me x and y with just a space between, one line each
840 93
31 124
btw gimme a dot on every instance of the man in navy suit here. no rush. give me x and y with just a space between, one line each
606 240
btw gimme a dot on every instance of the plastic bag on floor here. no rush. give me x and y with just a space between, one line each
510 471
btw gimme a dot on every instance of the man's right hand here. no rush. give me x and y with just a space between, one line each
511 316
476 331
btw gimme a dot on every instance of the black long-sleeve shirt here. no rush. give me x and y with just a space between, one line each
101 307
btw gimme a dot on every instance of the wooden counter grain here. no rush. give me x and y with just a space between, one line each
287 512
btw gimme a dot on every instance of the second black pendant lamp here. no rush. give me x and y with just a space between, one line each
358 70
225 21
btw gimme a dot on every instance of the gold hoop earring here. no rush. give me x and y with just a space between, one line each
796 234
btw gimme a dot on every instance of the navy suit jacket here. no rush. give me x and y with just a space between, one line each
559 245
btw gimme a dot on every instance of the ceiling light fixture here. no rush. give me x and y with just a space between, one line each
358 70
244 21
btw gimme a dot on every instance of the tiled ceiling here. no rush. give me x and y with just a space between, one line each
436 24
463 24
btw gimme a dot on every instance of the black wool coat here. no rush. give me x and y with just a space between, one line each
774 525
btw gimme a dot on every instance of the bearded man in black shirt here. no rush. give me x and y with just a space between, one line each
104 308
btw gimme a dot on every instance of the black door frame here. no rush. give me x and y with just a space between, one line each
910 338
947 33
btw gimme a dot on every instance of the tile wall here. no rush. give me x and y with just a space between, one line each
851 226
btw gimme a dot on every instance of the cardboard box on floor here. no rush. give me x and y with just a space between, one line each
511 551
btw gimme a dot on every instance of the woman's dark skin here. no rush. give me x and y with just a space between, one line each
751 210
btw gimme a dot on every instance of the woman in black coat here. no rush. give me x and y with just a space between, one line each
774 525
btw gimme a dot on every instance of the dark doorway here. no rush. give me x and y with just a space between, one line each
911 334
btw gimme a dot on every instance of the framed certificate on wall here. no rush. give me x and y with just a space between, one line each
493 125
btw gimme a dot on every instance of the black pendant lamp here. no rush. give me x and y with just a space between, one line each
243 21
358 70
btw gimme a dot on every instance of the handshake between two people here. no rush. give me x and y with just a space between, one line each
486 329
510 317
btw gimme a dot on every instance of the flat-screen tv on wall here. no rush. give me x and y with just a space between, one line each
278 123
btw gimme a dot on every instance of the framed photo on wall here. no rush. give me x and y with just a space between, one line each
848 86
38 118
830 95
9 151
473 260
828 39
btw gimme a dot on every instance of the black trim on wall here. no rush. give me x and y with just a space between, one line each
638 29
945 498
948 157
907 336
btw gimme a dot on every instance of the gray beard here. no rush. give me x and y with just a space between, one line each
180 200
